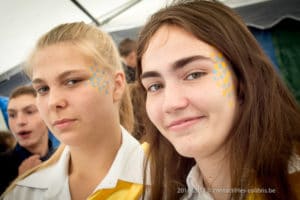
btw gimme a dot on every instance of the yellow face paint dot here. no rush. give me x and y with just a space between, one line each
99 79
222 75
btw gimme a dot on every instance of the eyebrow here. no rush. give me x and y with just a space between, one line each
24 108
178 64
60 77
11 110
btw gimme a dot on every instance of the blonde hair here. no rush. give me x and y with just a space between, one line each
95 44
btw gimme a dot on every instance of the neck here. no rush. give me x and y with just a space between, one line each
41 148
215 171
89 164
97 156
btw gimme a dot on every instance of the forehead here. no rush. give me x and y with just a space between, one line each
58 57
21 101
171 43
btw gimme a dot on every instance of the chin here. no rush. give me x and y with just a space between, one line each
185 150
71 140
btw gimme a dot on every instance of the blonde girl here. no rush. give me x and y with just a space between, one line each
76 71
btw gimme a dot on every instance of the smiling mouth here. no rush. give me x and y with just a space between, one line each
184 123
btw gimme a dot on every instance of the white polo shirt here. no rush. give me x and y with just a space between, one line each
196 189
52 182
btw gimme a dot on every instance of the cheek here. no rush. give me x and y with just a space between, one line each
38 121
42 108
12 125
153 111
223 77
96 105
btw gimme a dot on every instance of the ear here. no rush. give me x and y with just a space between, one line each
119 86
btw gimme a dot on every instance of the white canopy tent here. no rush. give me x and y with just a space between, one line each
23 22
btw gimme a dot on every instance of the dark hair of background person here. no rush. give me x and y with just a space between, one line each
127 49
22 90
266 131
7 141
126 46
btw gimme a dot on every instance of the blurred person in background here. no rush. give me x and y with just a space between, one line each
127 50
31 133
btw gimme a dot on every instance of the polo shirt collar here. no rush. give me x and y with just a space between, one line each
128 166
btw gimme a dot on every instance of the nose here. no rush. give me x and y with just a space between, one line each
175 99
21 119
56 99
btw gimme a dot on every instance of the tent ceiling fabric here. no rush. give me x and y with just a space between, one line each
268 14
23 22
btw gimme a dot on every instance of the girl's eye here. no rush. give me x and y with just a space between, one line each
42 90
154 87
72 82
195 75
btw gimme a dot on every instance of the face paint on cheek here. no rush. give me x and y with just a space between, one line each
223 76
99 79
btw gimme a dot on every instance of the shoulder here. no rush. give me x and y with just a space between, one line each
294 164
129 162
45 182
294 173
24 193
131 151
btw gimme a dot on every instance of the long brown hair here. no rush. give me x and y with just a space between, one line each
264 136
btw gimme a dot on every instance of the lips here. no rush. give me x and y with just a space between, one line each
184 123
24 133
63 123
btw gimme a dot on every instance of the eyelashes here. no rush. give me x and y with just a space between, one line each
195 75
156 86
44 89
